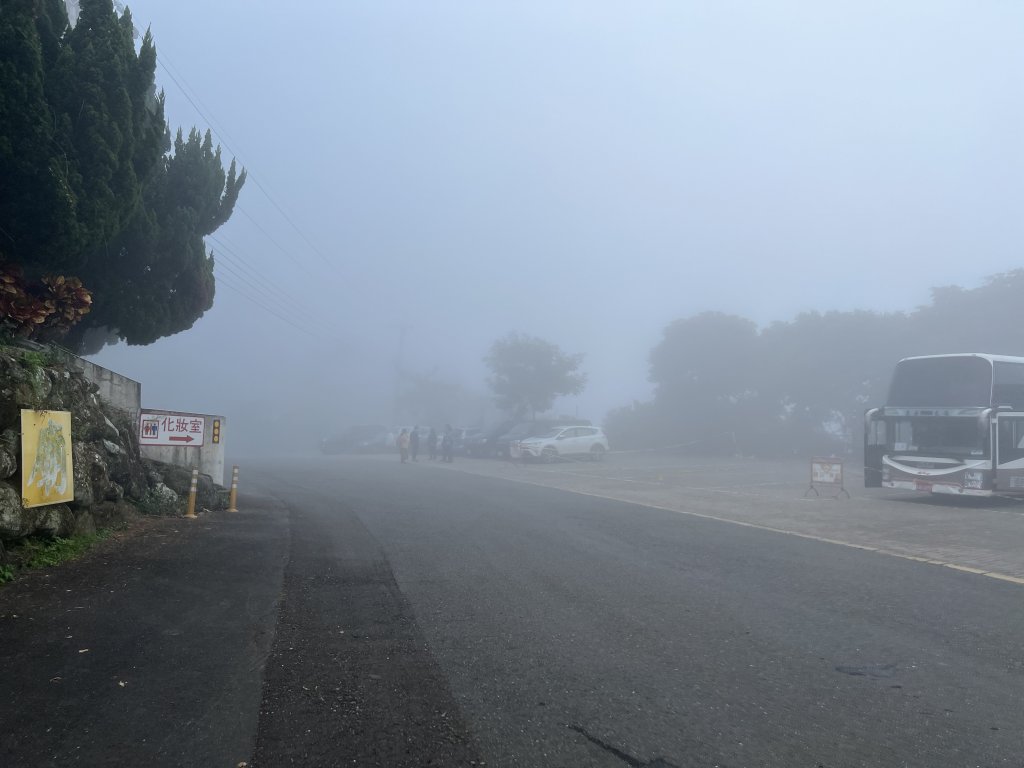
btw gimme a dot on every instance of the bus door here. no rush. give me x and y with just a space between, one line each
1009 452
874 447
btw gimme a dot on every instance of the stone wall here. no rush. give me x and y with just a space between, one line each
108 471
112 480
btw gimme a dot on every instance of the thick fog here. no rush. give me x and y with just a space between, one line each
426 177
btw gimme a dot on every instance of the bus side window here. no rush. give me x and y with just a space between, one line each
1011 439
903 437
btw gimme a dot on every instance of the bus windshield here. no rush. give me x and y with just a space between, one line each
953 437
941 382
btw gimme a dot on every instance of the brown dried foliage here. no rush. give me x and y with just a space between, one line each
55 303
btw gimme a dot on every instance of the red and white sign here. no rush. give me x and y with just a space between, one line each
827 471
171 429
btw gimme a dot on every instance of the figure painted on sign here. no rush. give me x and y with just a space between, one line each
432 444
49 471
403 445
414 442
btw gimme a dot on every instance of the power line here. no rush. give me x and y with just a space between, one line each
267 235
307 331
269 302
170 70
227 252
273 292
295 226
167 67
212 124
268 295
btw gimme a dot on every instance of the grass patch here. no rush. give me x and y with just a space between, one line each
44 553
37 359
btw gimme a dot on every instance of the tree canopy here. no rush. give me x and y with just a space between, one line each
93 188
528 373
802 386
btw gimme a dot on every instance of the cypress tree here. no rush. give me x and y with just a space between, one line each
92 186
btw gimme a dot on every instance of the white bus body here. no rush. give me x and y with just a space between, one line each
951 424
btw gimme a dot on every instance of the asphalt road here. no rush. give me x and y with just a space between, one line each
361 612
149 651
429 616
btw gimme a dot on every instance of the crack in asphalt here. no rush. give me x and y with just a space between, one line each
628 759
868 670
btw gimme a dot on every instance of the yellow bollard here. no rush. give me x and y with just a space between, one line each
233 501
191 513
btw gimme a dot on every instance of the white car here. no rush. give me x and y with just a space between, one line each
565 442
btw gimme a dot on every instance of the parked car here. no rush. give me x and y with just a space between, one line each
363 438
462 436
482 444
565 442
523 431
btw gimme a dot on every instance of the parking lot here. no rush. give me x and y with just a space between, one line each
985 536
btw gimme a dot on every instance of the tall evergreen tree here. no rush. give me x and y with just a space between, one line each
157 278
91 186
37 210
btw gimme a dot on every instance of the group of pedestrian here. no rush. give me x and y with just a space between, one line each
409 444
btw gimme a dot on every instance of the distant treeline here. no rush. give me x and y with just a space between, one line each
801 387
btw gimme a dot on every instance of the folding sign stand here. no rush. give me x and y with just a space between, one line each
827 473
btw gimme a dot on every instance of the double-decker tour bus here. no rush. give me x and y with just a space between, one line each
951 424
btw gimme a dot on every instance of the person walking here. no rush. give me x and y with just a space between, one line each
403 445
448 444
414 442
432 444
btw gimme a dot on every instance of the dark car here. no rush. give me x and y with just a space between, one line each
482 444
463 435
363 438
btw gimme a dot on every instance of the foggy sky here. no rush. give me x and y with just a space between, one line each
581 171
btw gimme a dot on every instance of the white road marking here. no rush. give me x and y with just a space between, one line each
758 526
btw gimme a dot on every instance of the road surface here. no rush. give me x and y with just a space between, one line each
363 612
570 630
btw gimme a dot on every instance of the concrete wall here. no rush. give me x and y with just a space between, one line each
119 391
126 395
208 458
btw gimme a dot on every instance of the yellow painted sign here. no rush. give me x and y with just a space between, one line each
46 472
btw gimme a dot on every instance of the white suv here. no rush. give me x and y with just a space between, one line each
565 441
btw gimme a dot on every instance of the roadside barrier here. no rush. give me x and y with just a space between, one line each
191 513
233 501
